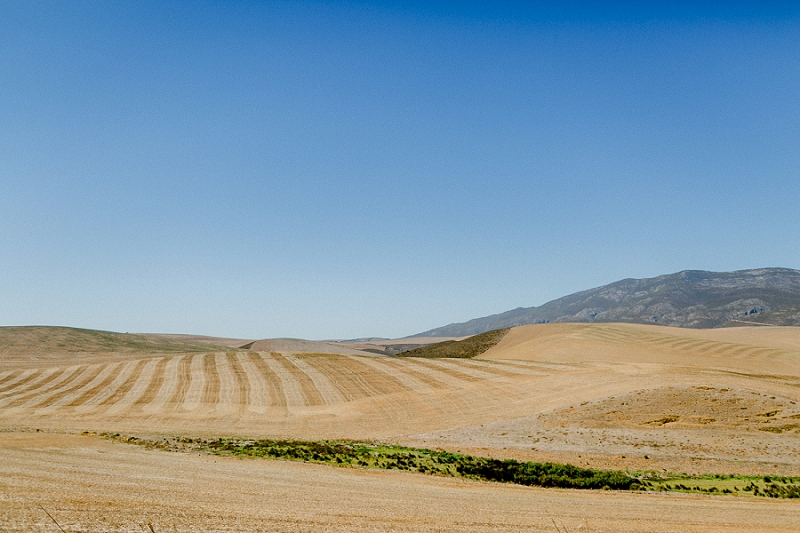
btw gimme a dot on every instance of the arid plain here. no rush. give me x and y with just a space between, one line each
622 396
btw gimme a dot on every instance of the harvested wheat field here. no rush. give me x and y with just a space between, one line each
88 484
600 395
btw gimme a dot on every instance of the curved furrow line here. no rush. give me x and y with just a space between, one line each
20 379
398 372
257 389
6 375
328 392
65 394
82 376
459 365
225 401
241 391
504 368
307 387
292 392
449 379
99 383
197 383
734 350
275 392
126 402
132 372
721 348
42 379
78 396
183 380
768 353
665 340
688 344
151 381
136 393
30 388
348 378
423 371
518 363
171 379
210 396
701 347
608 334
65 375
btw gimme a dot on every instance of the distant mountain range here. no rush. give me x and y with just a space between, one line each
691 299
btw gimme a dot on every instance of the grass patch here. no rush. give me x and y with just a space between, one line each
764 486
443 463
463 349
393 457
27 340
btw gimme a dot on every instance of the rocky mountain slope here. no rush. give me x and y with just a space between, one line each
691 298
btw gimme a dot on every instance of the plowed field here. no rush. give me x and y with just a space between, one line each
88 484
621 396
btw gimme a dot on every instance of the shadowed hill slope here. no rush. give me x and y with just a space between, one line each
692 298
463 349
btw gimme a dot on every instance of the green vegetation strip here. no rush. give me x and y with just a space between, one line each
765 486
436 462
463 349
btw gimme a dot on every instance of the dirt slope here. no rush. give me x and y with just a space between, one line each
561 406
620 396
757 349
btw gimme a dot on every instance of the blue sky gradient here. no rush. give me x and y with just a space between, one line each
348 169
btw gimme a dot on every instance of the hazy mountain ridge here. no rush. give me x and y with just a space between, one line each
691 298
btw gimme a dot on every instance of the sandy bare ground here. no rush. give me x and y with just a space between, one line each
88 484
611 395
623 396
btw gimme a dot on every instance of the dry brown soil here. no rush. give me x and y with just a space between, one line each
89 484
600 395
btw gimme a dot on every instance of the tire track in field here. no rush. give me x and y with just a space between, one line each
122 382
210 397
64 377
227 388
257 391
274 384
76 381
197 382
396 372
172 371
292 394
136 394
329 393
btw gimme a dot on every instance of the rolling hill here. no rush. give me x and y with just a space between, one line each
690 299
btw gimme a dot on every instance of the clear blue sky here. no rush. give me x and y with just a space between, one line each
347 169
